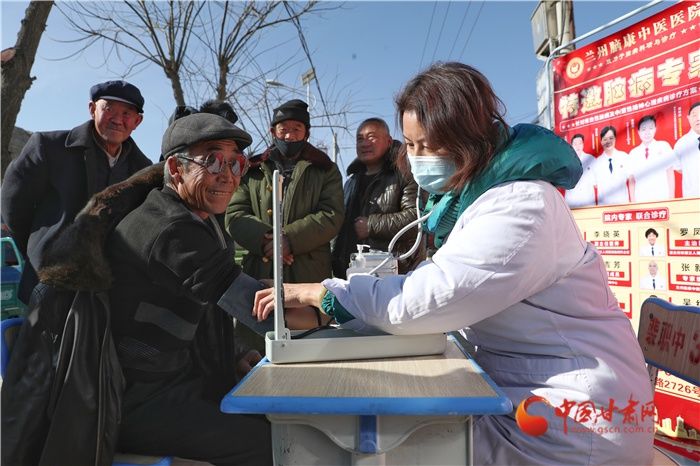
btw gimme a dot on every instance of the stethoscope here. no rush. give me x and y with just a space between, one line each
419 221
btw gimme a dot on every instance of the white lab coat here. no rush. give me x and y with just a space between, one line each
687 153
657 282
612 187
583 194
651 172
659 250
517 276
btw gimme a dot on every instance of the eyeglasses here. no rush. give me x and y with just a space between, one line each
215 162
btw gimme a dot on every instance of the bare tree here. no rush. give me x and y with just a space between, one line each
205 49
230 32
138 33
17 63
257 100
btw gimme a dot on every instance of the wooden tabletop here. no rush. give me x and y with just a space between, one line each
447 375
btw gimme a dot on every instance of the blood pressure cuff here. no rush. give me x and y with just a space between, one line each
238 300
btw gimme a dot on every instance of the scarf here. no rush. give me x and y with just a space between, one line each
531 153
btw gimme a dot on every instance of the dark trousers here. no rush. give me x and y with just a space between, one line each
175 420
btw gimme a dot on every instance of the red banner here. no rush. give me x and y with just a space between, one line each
641 82
629 104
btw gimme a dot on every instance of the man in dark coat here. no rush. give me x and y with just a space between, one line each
58 171
172 264
379 200
149 252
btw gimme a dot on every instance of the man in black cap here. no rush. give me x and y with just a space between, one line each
172 264
58 171
313 202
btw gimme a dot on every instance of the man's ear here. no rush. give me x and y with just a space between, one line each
92 106
173 165
139 119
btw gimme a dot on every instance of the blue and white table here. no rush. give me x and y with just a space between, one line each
413 410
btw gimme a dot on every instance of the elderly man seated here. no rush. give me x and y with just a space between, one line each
172 263
148 257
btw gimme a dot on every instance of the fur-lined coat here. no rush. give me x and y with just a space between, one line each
113 246
61 394
48 185
62 391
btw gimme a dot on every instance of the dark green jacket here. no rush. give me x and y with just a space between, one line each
313 213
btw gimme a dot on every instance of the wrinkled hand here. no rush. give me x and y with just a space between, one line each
287 256
295 295
361 228
246 363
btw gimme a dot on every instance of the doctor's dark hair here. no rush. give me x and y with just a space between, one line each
577 136
605 130
644 119
650 231
460 114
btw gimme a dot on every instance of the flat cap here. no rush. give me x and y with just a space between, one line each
295 109
191 129
118 90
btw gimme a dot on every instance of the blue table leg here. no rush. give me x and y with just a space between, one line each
367 440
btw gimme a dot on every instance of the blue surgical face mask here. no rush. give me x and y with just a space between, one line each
431 172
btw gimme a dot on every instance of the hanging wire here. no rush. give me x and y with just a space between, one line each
427 36
476 20
442 27
305 47
459 31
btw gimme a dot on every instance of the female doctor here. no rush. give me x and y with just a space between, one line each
512 273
